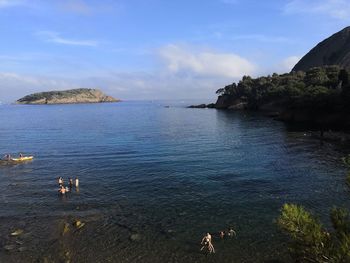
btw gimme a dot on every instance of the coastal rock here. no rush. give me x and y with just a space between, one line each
72 96
203 106
200 106
224 101
238 106
231 103
334 50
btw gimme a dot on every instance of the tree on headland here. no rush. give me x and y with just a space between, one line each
318 88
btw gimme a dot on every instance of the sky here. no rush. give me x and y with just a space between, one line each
156 49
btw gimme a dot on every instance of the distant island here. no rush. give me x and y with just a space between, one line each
72 96
316 92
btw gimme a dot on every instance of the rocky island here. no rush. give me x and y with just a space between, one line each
316 92
72 96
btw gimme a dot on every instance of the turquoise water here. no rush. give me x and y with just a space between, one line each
154 180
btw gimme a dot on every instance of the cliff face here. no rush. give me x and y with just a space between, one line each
67 97
334 50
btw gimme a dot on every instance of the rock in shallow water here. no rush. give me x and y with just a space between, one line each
135 237
17 232
78 224
21 249
9 247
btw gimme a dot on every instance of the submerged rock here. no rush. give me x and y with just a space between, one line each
17 232
9 247
65 229
21 249
78 224
135 237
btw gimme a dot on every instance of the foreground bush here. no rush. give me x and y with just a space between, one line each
310 241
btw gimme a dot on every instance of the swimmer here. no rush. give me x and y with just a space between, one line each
222 234
70 182
231 232
62 190
60 181
206 242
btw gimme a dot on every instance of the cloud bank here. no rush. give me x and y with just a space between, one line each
183 72
205 63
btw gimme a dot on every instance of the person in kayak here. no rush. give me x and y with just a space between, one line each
20 155
7 157
76 182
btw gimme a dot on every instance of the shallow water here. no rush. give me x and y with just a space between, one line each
154 180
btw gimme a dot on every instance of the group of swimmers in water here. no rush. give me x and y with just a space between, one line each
63 190
207 243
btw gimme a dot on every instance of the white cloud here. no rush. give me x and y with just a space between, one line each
188 73
205 63
55 37
14 85
288 63
338 9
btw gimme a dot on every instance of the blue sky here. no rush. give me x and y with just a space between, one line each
155 49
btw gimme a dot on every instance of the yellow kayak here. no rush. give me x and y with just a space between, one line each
22 159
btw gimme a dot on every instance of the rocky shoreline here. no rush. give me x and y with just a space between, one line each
334 126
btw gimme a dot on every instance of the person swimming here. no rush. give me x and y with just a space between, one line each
62 190
60 181
231 232
206 243
70 182
222 234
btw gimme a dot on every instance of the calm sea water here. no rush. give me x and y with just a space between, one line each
154 180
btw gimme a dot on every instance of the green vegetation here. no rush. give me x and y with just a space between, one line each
318 88
310 240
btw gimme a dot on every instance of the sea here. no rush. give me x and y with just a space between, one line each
155 177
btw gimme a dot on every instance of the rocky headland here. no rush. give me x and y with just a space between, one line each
72 96
315 93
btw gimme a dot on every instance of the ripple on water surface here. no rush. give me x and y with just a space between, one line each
154 180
